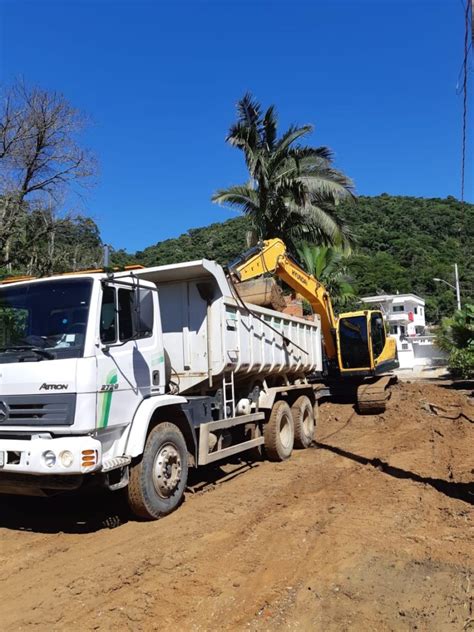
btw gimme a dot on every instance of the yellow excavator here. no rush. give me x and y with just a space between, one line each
356 344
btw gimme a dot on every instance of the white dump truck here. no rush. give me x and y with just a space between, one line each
129 378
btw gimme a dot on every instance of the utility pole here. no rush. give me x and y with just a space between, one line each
458 292
453 287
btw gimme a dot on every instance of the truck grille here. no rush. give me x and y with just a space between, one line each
37 410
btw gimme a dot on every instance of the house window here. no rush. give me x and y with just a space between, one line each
415 310
398 308
402 330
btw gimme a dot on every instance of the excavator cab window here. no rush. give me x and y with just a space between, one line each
377 332
353 341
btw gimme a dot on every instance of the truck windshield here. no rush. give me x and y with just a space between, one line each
45 320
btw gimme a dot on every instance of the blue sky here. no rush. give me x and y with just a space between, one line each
159 81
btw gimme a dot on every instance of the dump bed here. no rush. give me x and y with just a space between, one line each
207 332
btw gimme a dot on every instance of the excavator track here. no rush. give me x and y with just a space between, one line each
373 395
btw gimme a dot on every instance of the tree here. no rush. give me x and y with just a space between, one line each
72 243
456 336
326 264
40 159
294 190
45 244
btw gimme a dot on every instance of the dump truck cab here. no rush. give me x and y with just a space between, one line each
68 344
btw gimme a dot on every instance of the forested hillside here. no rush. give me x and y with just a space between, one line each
402 243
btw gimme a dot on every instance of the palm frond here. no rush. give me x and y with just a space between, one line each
294 191
241 196
328 185
325 228
293 165
291 136
248 110
270 128
319 153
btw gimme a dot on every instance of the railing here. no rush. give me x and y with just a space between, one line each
423 338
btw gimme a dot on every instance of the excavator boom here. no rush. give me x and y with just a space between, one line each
271 257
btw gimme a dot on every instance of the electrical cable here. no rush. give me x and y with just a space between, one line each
464 90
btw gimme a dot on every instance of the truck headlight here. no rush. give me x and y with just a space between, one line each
49 458
66 458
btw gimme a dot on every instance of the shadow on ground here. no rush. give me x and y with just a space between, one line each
86 512
460 491
68 513
460 385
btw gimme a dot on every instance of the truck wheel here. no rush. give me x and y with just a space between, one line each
279 432
158 480
303 417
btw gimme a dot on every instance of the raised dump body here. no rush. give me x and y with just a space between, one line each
207 332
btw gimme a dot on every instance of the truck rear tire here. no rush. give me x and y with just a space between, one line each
157 482
279 432
303 417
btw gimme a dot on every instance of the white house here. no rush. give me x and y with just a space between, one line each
405 314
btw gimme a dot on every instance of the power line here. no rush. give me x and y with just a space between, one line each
464 90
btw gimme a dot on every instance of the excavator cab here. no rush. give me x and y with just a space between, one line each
363 347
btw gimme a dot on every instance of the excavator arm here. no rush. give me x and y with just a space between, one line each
271 257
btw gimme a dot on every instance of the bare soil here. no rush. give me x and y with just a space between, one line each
370 529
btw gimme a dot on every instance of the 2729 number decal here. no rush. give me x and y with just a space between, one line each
108 387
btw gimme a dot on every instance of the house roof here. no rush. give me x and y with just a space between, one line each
395 298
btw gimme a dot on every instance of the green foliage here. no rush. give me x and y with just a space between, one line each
293 189
221 242
402 243
327 264
43 244
461 363
456 336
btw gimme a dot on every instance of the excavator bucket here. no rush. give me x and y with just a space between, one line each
262 291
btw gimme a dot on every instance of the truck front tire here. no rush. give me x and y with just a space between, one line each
303 416
279 432
158 480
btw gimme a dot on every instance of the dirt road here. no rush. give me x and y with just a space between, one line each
371 529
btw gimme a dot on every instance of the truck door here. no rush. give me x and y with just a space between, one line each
125 355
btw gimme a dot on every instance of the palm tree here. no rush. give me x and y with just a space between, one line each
293 189
326 263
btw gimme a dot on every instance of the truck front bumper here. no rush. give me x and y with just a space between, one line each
47 456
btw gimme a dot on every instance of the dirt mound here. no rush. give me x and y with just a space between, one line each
371 529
